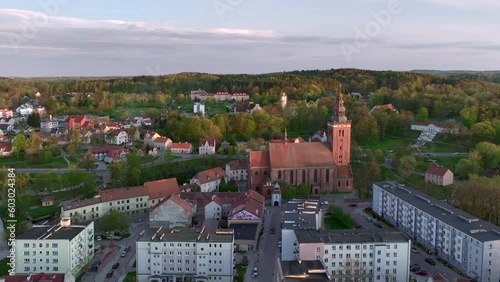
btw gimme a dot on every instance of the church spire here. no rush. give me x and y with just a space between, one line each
339 109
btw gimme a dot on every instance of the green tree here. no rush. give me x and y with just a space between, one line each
302 190
44 156
469 165
468 116
483 131
288 192
134 170
88 161
490 154
34 119
407 165
112 221
422 115
89 180
19 144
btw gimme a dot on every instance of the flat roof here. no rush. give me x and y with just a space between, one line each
480 230
343 236
244 231
56 232
304 271
300 213
163 234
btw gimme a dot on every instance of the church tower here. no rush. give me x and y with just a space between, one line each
339 133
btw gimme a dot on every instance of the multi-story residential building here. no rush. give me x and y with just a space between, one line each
49 124
55 249
181 148
209 180
360 255
439 175
25 109
207 146
118 137
213 205
176 254
302 214
237 170
467 243
130 200
6 113
219 96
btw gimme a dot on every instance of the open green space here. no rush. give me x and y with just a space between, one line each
336 218
43 211
4 268
12 161
334 223
130 277
240 270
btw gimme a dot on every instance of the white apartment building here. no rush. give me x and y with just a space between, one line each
175 254
360 255
237 170
469 244
55 249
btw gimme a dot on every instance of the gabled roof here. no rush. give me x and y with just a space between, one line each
185 205
162 140
210 175
76 118
258 159
237 165
162 188
251 205
439 277
221 198
150 134
122 193
82 203
181 146
210 140
5 147
437 170
292 155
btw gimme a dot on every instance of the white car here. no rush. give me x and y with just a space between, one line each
124 254
414 250
255 272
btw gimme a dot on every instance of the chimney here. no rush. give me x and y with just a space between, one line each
65 222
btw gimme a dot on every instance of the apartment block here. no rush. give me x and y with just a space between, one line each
466 242
181 254
55 249
360 255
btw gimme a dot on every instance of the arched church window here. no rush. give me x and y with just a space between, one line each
279 174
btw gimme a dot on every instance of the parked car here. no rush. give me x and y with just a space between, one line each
109 274
430 261
124 254
255 272
325 202
414 267
414 250
127 248
116 265
99 238
369 219
358 226
422 272
273 230
352 205
378 224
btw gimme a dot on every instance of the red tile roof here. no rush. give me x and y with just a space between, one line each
122 193
249 204
439 277
437 170
5 147
385 106
105 149
210 140
181 146
221 198
237 165
210 175
82 203
185 205
76 118
162 140
258 159
42 277
151 133
292 155
162 188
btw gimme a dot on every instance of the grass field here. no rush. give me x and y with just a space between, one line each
130 277
240 270
387 143
334 223
43 211
12 161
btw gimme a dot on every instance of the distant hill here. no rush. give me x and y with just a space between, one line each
490 76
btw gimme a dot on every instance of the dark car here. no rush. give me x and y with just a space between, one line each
244 261
414 267
116 265
127 248
378 225
109 274
273 230
358 226
352 205
430 261
422 272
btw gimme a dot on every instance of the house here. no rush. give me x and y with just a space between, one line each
63 140
248 210
162 143
78 122
5 149
207 146
213 205
252 107
386 107
101 152
240 96
49 124
5 127
41 136
199 108
237 170
7 120
25 109
319 136
161 189
116 155
433 127
174 211
149 138
6 113
48 200
182 148
118 137
439 175
209 180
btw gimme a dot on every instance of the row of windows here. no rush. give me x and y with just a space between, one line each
28 269
54 245
27 260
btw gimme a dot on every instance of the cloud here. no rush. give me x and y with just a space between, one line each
467 4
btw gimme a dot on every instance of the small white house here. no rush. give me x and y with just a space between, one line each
207 146
209 180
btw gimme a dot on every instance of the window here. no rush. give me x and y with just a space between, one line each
279 174
315 175
303 176
55 261
327 175
55 253
291 177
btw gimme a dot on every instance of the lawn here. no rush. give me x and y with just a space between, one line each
43 211
240 270
14 162
334 223
130 277
63 195
386 144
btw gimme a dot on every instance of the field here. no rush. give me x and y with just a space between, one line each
12 161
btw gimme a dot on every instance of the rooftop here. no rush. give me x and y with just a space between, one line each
122 193
162 188
304 271
343 236
41 277
210 175
244 231
82 203
480 230
301 214
437 170
162 234
55 232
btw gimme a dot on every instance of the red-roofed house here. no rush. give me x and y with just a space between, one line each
385 107
101 152
116 155
162 143
161 189
174 210
117 137
149 137
237 170
5 149
41 277
6 113
209 180
249 210
182 148
439 175
207 146
79 122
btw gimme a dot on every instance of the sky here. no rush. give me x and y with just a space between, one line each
155 37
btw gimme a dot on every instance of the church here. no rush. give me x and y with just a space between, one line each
322 166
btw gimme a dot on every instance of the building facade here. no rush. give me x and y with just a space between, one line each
322 167
354 255
179 254
207 146
438 175
209 180
237 170
55 249
467 243
181 148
